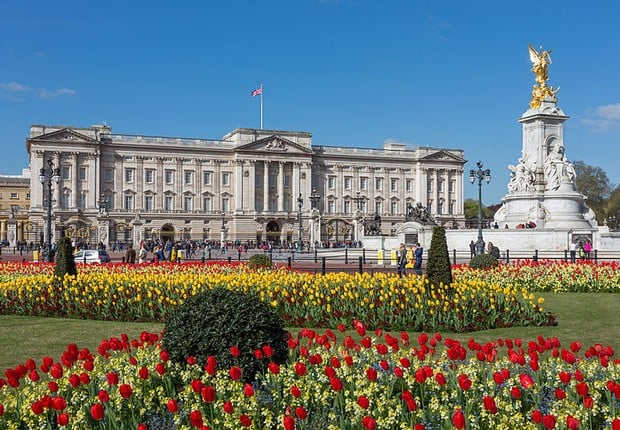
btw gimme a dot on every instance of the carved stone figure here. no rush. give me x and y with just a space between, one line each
557 168
418 213
521 178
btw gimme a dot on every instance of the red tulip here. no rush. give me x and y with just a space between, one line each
537 416
103 396
274 368
112 378
228 407
295 392
268 351
235 351
336 384
195 418
588 402
363 402
441 379
245 420
63 419
125 390
515 392
97 411
208 394
142 426
615 424
526 381
248 390
301 412
369 423
288 422
572 423
300 369
489 404
173 406
464 382
548 422
59 403
143 373
235 373
560 394
371 374
458 419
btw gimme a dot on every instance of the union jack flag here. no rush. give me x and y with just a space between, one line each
257 91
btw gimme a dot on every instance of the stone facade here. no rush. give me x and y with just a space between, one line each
246 186
14 206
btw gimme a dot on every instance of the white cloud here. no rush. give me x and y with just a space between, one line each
10 91
13 87
609 111
49 94
605 118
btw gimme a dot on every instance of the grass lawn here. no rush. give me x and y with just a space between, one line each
588 318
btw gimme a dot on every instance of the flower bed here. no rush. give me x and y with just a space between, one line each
375 381
549 276
151 292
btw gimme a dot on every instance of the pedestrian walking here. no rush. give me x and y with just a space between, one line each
418 254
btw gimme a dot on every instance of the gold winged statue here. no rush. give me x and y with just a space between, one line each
540 67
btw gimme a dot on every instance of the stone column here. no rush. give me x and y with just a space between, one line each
280 182
238 187
75 189
252 185
265 186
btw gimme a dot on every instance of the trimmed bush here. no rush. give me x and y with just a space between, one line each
483 261
65 264
259 261
211 322
438 269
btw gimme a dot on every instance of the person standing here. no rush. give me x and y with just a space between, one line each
472 249
493 250
142 254
573 251
130 255
587 248
418 253
402 260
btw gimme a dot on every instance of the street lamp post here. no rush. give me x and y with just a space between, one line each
480 175
314 198
300 203
47 177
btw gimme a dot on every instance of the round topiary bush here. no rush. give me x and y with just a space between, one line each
210 323
483 261
259 261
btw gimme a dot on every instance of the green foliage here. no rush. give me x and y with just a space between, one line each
211 322
65 265
259 261
594 184
483 261
438 269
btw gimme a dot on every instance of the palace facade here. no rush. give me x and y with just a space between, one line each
252 185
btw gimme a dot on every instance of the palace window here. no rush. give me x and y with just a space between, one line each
128 202
148 202
188 177
82 173
128 176
149 175
226 179
82 202
108 174
378 207
347 182
206 203
363 184
225 205
409 185
393 208
394 184
169 177
378 184
347 206
206 178
331 206
188 203
168 203
331 182
66 173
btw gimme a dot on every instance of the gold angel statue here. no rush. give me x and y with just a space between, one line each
540 61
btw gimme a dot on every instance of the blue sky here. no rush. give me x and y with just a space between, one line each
452 74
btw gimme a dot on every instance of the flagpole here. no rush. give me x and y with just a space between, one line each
261 107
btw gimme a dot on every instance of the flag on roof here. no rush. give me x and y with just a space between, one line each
257 91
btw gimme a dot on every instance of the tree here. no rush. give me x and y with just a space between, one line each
65 265
470 208
438 269
613 209
594 184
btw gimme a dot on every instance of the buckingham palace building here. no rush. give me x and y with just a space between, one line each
253 185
